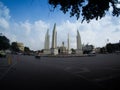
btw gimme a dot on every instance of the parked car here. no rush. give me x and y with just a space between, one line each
2 53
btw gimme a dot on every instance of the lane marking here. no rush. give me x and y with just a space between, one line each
4 74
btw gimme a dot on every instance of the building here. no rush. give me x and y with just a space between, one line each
20 46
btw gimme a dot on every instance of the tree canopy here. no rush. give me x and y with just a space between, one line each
26 49
87 9
15 47
4 43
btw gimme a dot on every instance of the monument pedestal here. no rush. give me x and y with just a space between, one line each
80 52
46 51
54 51
69 51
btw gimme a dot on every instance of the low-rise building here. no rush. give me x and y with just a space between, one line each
20 46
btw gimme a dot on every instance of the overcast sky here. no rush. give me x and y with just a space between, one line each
27 21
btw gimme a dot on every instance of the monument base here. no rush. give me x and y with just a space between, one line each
46 51
69 52
80 52
54 51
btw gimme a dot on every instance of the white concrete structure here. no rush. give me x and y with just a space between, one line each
47 43
68 42
62 50
54 49
79 44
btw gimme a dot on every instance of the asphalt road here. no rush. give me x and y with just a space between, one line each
77 73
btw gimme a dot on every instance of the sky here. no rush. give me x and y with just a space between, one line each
27 21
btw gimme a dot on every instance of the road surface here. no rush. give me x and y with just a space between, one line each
76 73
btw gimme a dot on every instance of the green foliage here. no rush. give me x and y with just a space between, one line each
102 50
109 48
73 51
26 49
4 43
87 9
15 47
113 47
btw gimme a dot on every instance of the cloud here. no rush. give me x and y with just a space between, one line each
26 26
4 17
32 34
95 32
116 30
4 24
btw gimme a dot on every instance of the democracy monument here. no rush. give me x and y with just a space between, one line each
54 50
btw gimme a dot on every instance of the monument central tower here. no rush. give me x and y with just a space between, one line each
54 49
79 44
47 43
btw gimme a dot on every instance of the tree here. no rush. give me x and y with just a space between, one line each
73 51
15 47
26 49
109 48
113 47
102 50
88 9
87 49
4 43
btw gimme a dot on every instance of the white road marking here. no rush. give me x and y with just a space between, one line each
4 74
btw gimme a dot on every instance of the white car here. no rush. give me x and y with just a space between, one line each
2 53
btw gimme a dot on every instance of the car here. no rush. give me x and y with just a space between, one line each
37 56
2 53
92 53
